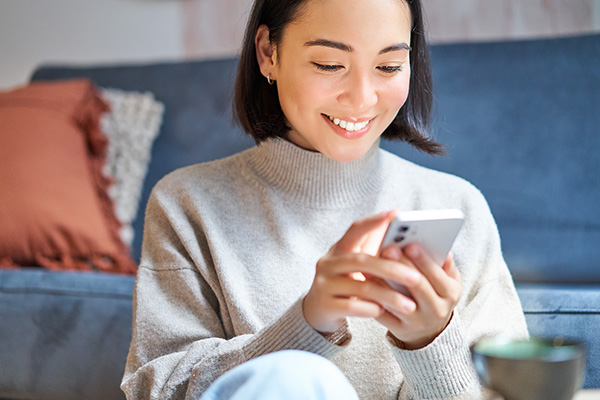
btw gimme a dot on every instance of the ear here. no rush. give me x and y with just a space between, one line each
265 54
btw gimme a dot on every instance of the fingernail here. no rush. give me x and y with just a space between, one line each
388 213
409 305
392 253
413 252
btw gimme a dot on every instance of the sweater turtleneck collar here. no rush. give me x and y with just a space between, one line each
310 177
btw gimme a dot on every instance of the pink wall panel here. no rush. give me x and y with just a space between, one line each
215 27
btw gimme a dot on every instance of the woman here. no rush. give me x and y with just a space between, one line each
274 248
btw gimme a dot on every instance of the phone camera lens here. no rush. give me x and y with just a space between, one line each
398 239
403 228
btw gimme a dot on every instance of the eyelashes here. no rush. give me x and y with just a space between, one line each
387 69
328 67
390 69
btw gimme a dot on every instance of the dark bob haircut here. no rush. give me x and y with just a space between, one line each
256 103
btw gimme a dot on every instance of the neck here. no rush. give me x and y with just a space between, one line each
311 178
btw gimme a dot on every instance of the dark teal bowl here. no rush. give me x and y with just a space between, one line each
530 369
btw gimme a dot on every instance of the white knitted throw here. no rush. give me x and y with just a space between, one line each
131 127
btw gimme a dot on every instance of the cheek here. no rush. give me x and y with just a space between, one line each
397 93
300 96
288 98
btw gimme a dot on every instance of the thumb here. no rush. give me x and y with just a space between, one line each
365 234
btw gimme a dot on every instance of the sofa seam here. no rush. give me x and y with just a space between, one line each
567 312
78 293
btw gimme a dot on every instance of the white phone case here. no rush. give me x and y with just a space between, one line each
435 230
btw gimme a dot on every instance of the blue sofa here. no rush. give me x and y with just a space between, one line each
521 120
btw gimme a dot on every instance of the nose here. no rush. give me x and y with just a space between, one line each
359 92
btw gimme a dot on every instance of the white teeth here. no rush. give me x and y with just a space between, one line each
349 126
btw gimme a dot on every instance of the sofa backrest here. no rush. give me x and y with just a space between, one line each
521 120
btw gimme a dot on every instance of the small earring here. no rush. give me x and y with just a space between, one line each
269 80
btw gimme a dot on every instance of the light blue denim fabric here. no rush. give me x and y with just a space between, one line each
289 375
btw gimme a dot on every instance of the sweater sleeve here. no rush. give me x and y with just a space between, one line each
440 370
489 306
179 345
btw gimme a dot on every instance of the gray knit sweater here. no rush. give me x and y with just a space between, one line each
230 249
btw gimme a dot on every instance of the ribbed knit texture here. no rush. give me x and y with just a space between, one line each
312 179
230 249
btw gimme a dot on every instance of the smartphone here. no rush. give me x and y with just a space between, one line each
434 230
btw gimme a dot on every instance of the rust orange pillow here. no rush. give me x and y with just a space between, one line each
54 208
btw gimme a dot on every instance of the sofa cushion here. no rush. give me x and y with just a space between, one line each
64 335
568 311
55 208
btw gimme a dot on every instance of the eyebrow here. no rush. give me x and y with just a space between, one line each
348 48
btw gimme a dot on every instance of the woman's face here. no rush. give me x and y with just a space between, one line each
342 71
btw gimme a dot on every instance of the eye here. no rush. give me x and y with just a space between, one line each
328 67
390 69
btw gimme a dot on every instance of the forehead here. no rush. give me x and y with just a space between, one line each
354 21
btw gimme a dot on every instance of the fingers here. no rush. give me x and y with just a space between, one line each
351 280
373 267
443 280
365 235
436 289
390 321
355 307
450 268
331 299
439 290
372 291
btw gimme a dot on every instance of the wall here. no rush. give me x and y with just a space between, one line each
460 20
85 31
111 31
448 21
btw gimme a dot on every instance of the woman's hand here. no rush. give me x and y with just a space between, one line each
349 280
436 295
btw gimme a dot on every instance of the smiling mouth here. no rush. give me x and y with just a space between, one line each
347 125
